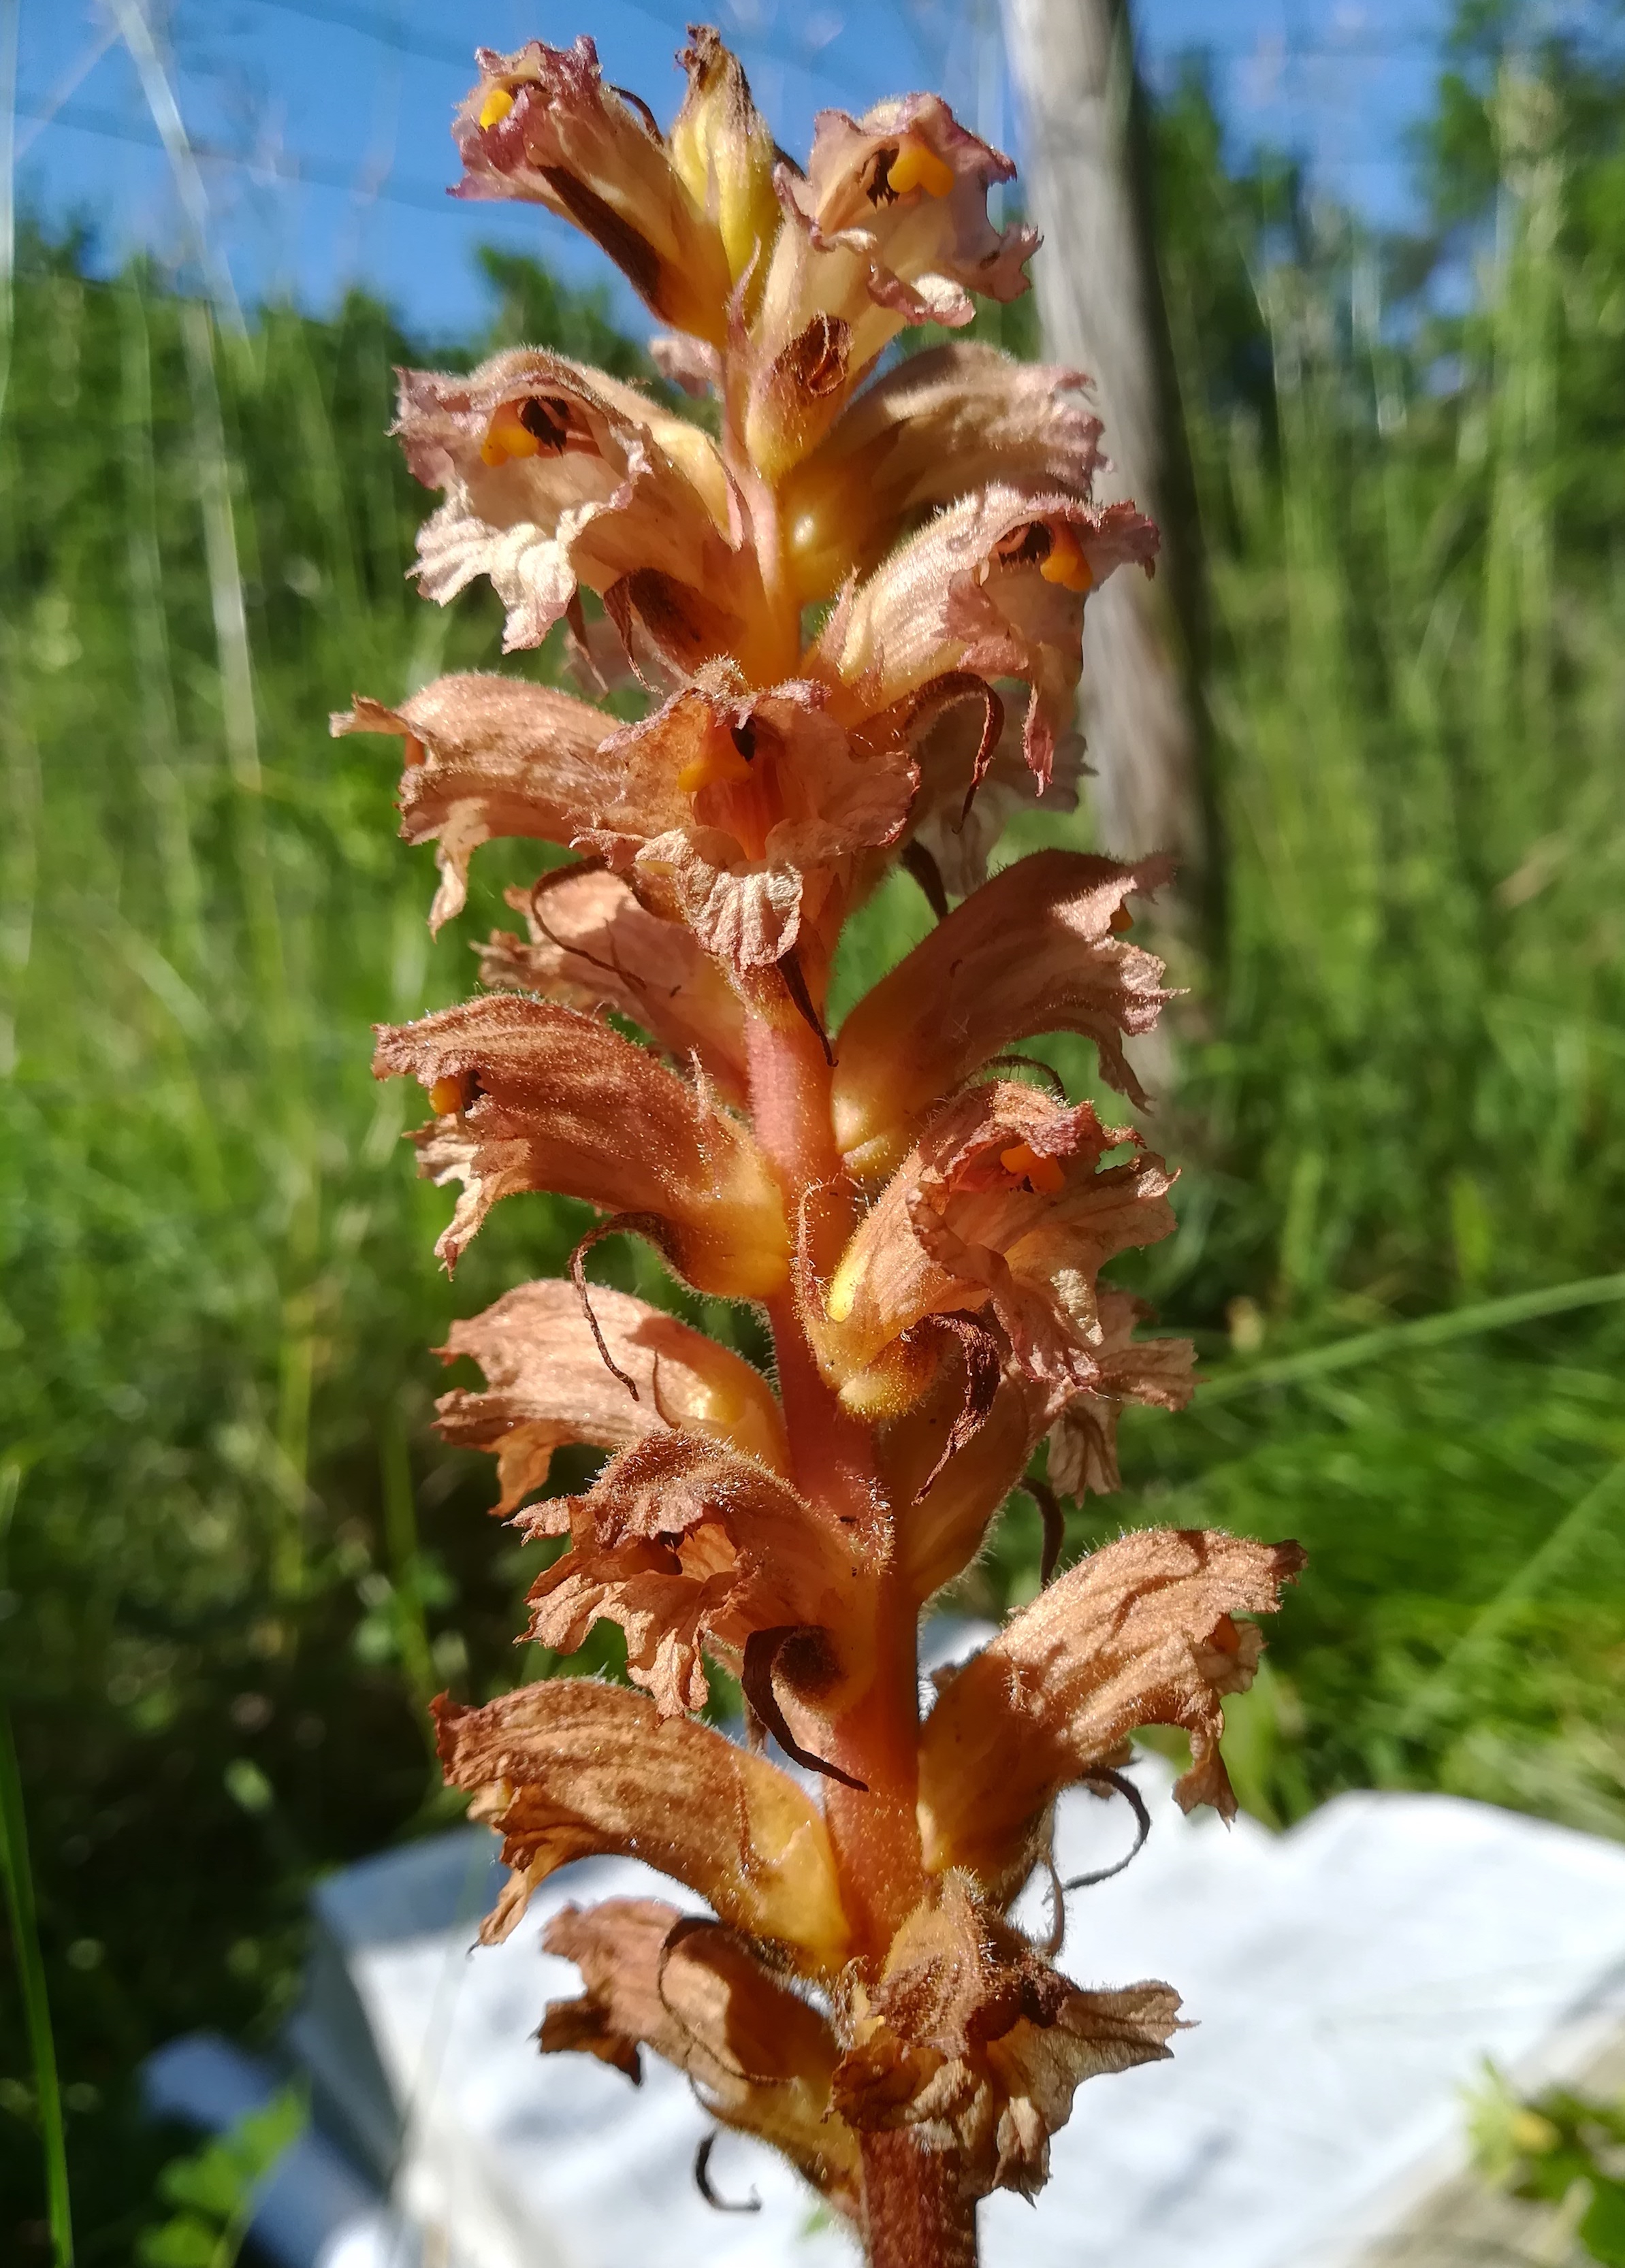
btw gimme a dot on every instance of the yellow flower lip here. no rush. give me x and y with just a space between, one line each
917 166
496 106
1065 562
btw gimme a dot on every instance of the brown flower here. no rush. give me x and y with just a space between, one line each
760 2058
888 227
941 425
558 478
1004 1204
1140 1633
995 585
688 1545
571 1769
534 1096
591 946
744 815
971 2040
542 125
548 1384
1037 950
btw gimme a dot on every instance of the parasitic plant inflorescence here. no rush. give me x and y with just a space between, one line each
857 618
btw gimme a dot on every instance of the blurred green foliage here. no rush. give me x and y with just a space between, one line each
212 2191
1559 2149
239 1560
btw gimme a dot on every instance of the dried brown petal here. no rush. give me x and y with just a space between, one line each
570 1769
971 2039
995 585
542 125
1004 1203
485 756
1036 950
548 1384
960 840
760 2058
1156 1373
1138 1633
766 803
534 1096
944 423
593 945
689 1546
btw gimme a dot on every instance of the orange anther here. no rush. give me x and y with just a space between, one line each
1066 563
1121 919
1040 1174
446 1096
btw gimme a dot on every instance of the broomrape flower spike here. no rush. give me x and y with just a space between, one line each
923 1229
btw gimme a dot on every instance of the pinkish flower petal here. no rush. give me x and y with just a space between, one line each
1003 1203
1140 1633
593 945
542 125
969 2040
943 423
556 478
1036 950
486 756
889 226
996 584
533 1096
688 1545
548 1384
570 1769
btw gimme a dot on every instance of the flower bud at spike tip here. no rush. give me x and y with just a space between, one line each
857 614
721 149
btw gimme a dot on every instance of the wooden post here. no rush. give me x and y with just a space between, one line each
1100 301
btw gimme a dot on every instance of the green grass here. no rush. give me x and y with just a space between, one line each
239 1558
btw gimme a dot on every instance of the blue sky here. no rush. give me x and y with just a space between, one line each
324 121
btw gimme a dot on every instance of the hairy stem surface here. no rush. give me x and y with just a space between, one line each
915 2216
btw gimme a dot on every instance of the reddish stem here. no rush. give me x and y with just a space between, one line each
914 2215
874 1829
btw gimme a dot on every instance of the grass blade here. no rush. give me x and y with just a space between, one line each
1426 1331
36 2004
